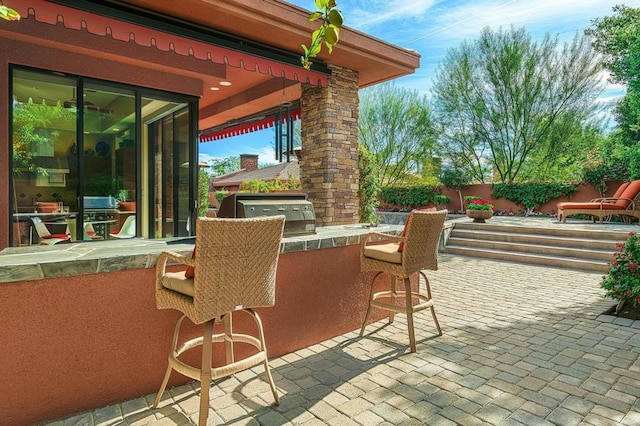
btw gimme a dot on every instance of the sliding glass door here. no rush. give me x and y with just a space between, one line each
96 160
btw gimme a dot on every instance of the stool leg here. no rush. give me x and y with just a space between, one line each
205 373
267 370
433 311
174 345
394 289
366 317
228 340
409 311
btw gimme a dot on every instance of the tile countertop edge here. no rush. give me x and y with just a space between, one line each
40 262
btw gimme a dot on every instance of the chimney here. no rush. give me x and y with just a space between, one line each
249 162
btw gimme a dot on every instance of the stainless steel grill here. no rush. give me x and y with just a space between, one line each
298 211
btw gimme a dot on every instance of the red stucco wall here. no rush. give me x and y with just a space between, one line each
73 344
585 192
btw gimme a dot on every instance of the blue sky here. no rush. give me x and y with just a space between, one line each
431 27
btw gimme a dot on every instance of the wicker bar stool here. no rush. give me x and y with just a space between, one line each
234 270
401 257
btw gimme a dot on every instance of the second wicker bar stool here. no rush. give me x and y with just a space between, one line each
401 257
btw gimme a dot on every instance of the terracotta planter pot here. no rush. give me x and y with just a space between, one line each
128 206
479 216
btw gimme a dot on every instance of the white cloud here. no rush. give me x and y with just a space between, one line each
369 15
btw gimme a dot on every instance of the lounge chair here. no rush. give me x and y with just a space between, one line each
625 202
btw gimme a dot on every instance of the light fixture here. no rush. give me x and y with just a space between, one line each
71 104
225 83
214 88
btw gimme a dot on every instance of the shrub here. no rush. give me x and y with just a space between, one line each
533 195
623 279
410 196
368 185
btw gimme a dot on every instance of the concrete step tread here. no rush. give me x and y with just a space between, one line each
557 231
558 261
534 235
460 241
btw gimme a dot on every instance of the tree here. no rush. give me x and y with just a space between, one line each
501 97
368 186
617 37
395 126
222 166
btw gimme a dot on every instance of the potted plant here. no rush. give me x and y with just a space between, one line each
123 201
479 209
622 282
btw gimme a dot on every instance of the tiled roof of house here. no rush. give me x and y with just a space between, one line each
284 171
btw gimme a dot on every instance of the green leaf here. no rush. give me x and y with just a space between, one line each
335 17
331 35
9 14
315 16
305 50
322 4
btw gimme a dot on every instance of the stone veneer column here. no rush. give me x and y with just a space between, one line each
329 155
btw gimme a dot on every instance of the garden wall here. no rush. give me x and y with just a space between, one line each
585 192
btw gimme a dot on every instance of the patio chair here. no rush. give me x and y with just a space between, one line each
46 237
623 203
128 229
402 257
234 270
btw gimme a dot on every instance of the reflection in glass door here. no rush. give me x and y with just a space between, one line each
109 157
169 138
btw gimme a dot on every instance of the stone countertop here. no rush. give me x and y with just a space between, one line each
60 260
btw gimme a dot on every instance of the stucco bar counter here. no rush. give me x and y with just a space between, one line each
80 328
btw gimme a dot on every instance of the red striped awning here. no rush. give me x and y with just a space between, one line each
75 19
227 131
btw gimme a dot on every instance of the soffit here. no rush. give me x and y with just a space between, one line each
269 22
285 26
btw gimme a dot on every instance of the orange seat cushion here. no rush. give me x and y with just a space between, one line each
590 206
385 252
629 193
177 281
620 190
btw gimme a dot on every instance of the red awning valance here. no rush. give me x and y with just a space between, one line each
228 131
52 13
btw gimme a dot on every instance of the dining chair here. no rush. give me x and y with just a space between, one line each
234 270
413 251
128 229
46 237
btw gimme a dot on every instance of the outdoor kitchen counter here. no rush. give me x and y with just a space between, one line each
66 260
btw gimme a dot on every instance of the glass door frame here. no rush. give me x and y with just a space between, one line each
140 93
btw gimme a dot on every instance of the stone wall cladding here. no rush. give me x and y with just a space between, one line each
329 155
249 162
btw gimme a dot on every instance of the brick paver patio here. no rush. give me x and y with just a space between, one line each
522 345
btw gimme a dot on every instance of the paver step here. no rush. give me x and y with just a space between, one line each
522 237
556 261
550 246
541 249
556 230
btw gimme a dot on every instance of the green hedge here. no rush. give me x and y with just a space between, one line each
409 196
532 195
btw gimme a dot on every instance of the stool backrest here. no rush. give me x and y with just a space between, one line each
421 240
236 263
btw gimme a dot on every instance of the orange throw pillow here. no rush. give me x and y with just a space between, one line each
191 271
